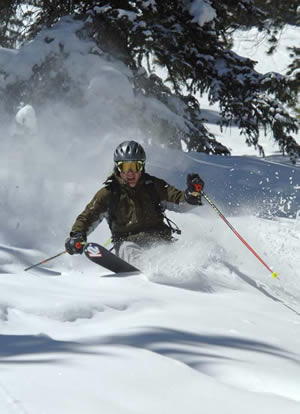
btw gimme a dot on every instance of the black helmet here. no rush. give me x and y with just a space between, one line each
129 151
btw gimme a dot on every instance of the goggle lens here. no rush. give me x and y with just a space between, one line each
134 166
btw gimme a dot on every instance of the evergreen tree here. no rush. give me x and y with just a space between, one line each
193 49
294 72
9 24
197 60
278 14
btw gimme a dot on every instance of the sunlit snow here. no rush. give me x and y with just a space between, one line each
204 329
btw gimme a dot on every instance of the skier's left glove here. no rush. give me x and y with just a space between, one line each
195 185
75 243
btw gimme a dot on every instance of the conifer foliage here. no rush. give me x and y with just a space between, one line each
189 42
196 58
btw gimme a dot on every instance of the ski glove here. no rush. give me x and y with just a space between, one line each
73 244
195 185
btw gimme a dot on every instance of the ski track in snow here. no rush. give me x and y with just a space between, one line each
9 404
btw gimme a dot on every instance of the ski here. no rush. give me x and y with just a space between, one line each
103 257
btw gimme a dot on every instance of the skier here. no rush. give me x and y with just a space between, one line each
133 203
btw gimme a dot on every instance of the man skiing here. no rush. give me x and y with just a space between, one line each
133 203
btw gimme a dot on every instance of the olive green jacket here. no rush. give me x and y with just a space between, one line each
135 211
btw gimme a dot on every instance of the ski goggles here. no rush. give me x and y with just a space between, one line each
134 166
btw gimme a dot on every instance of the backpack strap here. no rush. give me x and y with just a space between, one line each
159 207
114 187
154 195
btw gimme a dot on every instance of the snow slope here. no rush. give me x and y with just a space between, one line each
204 329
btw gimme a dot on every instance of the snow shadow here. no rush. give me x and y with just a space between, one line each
28 345
186 347
258 286
13 259
202 285
190 348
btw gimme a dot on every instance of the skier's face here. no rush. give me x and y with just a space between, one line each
131 178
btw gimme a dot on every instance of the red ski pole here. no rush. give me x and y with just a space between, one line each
78 245
45 260
274 274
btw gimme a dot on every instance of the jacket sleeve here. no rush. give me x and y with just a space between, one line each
93 213
171 198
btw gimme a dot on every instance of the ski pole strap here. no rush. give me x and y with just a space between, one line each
107 242
274 274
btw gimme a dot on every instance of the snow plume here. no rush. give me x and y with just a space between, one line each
59 68
58 136
77 89
201 10
77 112
60 149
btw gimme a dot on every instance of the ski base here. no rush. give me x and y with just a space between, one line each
103 257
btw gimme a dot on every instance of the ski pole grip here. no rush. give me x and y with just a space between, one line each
78 245
198 187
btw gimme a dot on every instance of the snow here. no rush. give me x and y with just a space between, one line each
26 119
253 44
204 328
202 11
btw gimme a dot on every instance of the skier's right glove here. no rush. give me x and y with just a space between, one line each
75 243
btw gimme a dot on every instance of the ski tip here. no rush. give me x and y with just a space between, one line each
274 275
